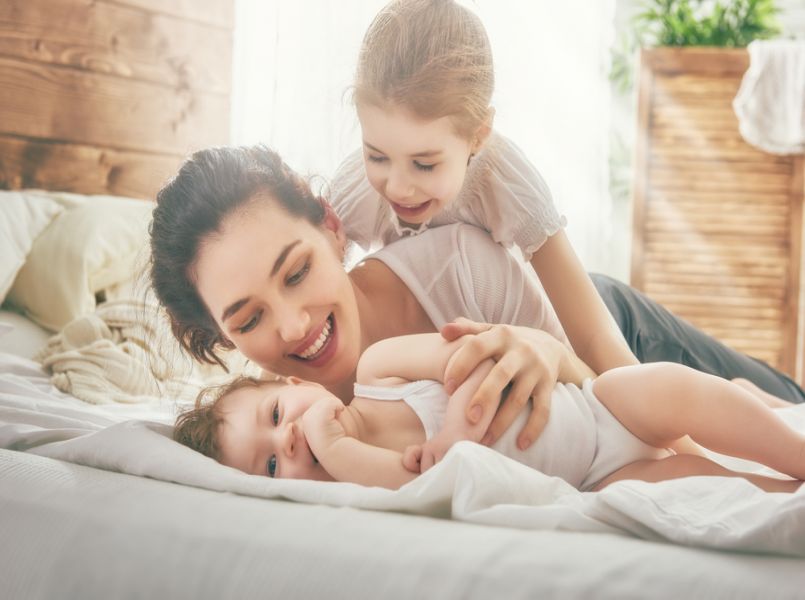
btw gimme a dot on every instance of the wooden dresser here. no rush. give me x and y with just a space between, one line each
717 222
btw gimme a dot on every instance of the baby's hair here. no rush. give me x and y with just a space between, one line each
197 428
431 57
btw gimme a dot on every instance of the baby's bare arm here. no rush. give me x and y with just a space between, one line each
406 358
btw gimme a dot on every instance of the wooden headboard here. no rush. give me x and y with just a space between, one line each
108 96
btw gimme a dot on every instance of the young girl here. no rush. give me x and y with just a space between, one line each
618 426
430 157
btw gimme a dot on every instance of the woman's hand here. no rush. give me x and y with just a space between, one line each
528 359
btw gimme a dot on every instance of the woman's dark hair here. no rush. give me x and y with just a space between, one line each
210 186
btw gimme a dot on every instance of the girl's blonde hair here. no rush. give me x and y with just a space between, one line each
431 57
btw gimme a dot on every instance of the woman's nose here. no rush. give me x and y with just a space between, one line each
293 325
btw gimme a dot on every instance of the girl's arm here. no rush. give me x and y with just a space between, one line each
346 458
592 331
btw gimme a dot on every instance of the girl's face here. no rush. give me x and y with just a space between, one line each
276 287
262 432
417 166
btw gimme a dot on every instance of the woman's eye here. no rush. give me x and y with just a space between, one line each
275 415
377 159
271 465
250 324
422 167
299 275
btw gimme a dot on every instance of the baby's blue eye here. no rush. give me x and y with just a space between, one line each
271 466
275 415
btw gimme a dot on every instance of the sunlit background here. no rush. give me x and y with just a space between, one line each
294 63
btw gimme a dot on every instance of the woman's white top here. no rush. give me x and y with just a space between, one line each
458 271
582 443
502 193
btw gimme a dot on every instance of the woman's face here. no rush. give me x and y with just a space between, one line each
276 287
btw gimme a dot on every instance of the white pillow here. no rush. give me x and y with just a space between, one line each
91 247
23 216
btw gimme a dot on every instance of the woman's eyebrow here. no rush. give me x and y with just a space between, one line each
238 304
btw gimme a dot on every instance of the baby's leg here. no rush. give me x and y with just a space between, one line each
662 402
768 399
684 465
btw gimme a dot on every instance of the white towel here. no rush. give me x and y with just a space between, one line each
770 103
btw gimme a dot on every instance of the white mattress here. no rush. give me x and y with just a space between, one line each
484 526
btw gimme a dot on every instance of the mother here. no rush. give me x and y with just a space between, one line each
245 256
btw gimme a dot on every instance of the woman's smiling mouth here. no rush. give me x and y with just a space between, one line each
318 347
411 211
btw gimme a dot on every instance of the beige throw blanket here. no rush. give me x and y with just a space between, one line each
124 352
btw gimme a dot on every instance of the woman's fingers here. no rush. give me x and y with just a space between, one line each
462 326
488 344
538 419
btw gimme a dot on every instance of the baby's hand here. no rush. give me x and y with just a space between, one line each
419 459
411 458
321 425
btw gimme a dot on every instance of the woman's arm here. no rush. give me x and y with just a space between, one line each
589 326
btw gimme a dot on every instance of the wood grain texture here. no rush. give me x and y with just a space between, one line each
217 13
718 223
55 103
82 169
116 39
107 96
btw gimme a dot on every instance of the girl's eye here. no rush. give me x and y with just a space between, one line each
377 159
422 167
271 465
299 275
275 415
250 324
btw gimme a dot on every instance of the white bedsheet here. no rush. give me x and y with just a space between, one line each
473 484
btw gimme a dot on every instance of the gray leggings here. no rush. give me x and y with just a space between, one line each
655 334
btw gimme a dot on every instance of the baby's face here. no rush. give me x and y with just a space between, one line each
262 431
417 166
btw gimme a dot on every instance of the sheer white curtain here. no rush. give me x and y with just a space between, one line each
294 61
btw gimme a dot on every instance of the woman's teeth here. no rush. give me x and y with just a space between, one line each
316 346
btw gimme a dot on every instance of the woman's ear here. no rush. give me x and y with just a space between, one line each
480 137
334 224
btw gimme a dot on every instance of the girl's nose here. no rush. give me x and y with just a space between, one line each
398 186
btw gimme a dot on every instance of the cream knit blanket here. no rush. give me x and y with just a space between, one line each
123 352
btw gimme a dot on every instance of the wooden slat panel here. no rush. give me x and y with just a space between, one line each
82 169
718 62
120 40
39 101
218 13
716 221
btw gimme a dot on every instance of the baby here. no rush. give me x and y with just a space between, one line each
620 425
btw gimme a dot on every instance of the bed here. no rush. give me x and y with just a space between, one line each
98 501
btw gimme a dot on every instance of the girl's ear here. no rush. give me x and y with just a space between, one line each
334 224
480 137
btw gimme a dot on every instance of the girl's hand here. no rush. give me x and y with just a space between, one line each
321 426
527 359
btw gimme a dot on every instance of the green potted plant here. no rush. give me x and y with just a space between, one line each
731 23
